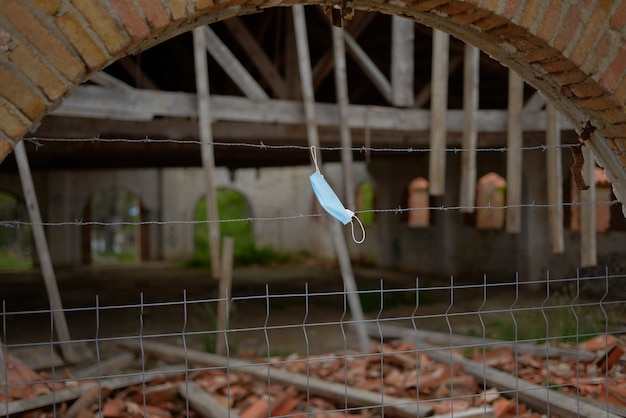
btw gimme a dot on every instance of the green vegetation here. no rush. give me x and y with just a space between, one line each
206 317
370 301
561 321
15 242
11 260
365 202
232 205
110 257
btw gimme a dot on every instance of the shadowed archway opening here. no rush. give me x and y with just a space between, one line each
16 243
114 233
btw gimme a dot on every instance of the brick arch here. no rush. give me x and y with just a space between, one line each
573 52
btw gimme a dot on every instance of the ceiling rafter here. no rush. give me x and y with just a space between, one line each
233 68
257 55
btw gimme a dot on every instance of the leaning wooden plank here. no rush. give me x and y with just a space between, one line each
341 92
112 365
306 83
231 65
86 400
402 407
461 341
202 402
257 55
325 62
369 67
43 253
206 148
65 395
537 397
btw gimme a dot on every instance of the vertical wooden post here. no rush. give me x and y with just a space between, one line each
225 289
206 137
554 173
292 76
438 110
588 239
402 62
341 88
514 154
470 132
341 248
47 271
306 78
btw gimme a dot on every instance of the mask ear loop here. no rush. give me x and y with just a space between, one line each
314 156
362 230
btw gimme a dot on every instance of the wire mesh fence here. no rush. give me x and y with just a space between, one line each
437 347
512 348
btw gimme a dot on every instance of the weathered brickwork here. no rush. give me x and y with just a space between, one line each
573 51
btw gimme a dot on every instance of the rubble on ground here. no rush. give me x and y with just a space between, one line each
392 374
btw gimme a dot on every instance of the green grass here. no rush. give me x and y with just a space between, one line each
16 244
205 317
232 205
125 257
559 322
365 196
10 261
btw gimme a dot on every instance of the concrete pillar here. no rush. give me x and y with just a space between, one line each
177 238
449 223
62 206
533 256
387 225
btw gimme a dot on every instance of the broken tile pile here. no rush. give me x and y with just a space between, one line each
394 369
443 388
568 375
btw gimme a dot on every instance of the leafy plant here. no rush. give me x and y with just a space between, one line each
15 242
206 320
560 318
232 205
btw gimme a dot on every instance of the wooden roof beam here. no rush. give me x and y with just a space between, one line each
258 56
102 103
356 27
368 66
106 80
231 65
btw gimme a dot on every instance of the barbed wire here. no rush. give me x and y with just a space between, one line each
398 211
39 142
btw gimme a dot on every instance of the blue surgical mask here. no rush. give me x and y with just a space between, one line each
329 200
